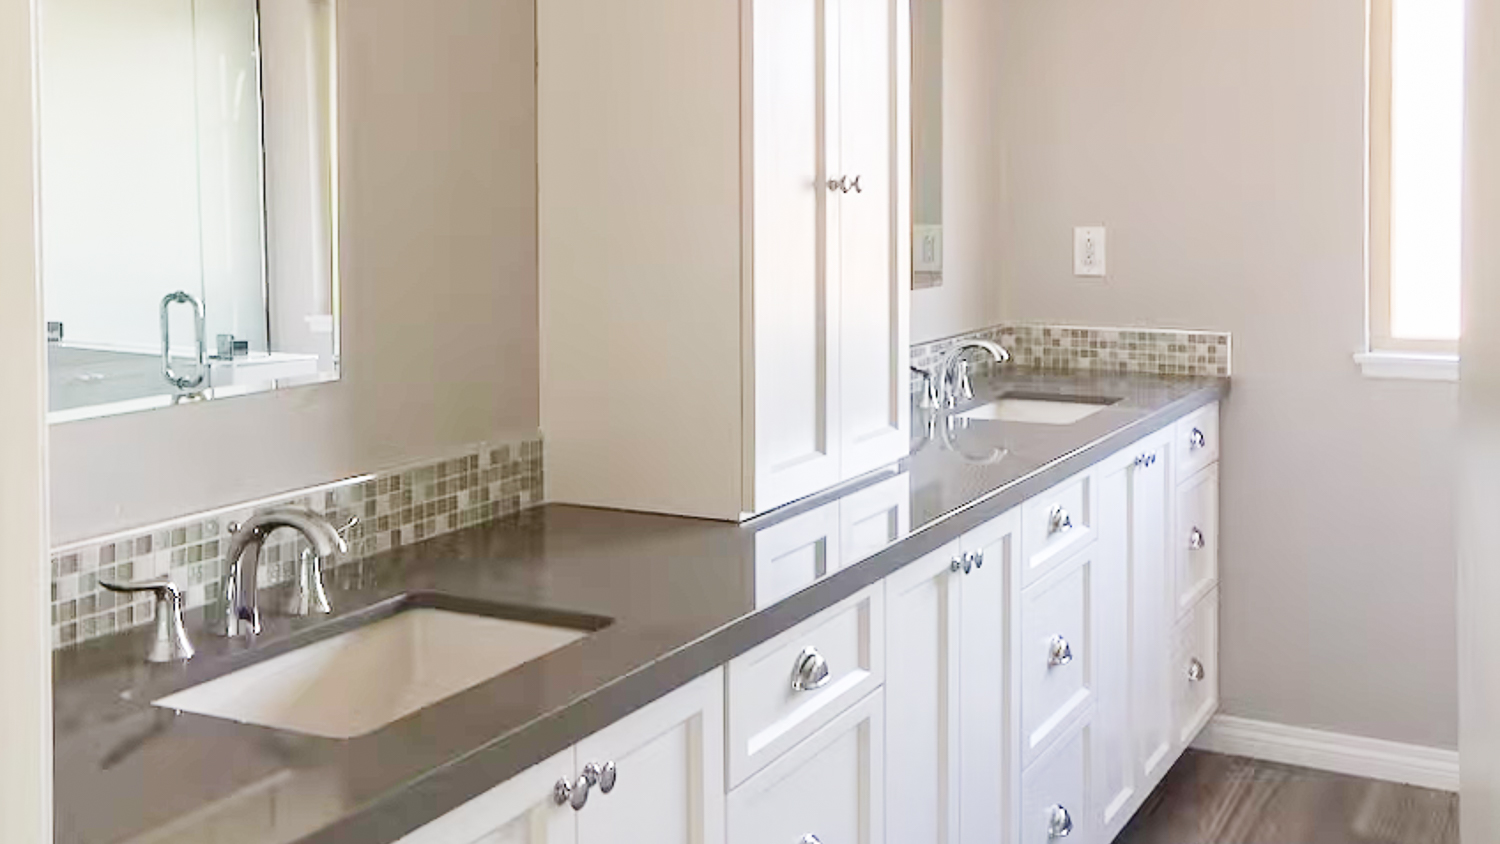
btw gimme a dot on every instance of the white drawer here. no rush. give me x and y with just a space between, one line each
874 517
1059 781
831 786
1196 440
1057 653
792 555
1057 523
1195 669
1195 546
767 716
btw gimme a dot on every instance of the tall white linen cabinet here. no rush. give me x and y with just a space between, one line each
723 247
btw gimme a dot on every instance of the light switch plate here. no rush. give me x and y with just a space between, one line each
927 249
1088 252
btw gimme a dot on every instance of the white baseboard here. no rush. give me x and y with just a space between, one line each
1412 764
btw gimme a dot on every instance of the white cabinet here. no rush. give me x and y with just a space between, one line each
950 645
724 249
830 787
668 760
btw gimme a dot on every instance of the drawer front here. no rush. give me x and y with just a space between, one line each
792 555
767 715
831 786
1056 524
1195 547
1197 441
1057 654
1054 795
874 517
1195 669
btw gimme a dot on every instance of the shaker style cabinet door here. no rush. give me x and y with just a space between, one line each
1152 612
874 198
666 763
521 810
794 250
949 643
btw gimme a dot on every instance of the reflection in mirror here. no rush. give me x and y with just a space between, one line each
927 142
187 199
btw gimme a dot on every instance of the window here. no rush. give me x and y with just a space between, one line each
1416 179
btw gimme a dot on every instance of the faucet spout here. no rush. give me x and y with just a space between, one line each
239 603
953 372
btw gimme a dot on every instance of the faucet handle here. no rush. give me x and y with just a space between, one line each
170 642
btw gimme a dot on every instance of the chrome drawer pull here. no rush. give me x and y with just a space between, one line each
1059 652
811 672
603 776
575 795
1197 440
1195 540
1058 520
1059 823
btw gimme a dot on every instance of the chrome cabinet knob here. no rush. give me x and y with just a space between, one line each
855 186
1058 520
978 560
604 776
1143 461
810 839
1059 652
1059 822
1196 671
575 794
1195 539
811 671
1196 439
957 565
840 184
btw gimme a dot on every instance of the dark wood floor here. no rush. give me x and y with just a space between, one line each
1211 799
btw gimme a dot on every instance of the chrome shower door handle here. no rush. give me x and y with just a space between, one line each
200 370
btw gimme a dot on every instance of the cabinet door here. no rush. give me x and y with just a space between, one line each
1152 612
794 258
989 710
874 231
669 759
923 642
1115 771
518 811
828 788
1195 542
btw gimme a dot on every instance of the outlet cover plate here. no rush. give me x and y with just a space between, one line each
1089 252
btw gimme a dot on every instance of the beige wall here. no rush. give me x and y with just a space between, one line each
1221 143
25 660
439 286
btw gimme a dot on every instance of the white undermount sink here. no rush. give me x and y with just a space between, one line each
357 682
1039 410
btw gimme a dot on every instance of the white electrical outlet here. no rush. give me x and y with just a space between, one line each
1088 251
927 249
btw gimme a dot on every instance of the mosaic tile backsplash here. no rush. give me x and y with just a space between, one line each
396 507
1152 351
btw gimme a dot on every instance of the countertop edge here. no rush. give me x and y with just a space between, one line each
444 789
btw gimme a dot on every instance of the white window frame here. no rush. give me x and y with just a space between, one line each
1385 356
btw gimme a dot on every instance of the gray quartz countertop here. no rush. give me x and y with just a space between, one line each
681 596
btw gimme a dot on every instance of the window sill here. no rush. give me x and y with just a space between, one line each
1412 366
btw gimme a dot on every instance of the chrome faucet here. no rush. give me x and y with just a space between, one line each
239 604
953 371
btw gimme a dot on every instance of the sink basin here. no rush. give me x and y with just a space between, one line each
359 681
1040 409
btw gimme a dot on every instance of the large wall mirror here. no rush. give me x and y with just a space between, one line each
188 200
927 143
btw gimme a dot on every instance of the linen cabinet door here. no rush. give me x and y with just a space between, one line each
793 249
924 638
874 244
830 788
521 810
661 771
